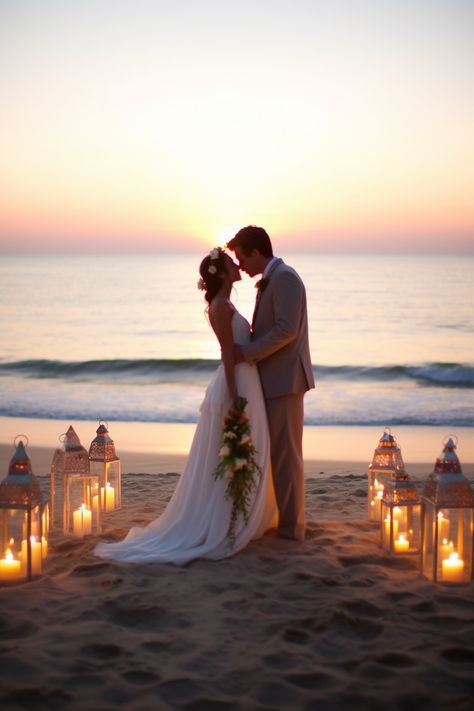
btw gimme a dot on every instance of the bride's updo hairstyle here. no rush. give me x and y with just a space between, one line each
212 269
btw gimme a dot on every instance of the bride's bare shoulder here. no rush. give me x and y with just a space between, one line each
220 309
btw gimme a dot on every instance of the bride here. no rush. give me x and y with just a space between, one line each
195 523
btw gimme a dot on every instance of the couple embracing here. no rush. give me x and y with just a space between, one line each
269 365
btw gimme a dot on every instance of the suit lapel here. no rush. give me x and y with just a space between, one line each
260 292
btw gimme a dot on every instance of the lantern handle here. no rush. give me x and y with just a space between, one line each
451 436
62 437
387 429
15 443
104 422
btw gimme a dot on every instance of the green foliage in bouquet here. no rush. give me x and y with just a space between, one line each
237 462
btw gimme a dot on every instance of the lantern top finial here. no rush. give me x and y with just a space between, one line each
102 447
20 486
72 459
70 440
400 489
387 455
447 486
448 460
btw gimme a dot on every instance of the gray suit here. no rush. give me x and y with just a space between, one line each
280 348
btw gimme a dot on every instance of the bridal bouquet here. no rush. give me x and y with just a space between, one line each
237 462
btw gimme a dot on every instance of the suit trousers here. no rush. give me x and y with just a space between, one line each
285 422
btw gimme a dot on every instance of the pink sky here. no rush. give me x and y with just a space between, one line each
171 125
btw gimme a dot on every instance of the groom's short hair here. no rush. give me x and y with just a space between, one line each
252 237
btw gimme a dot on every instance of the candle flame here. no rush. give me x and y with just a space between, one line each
453 556
401 538
8 554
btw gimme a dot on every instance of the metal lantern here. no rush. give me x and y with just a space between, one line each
447 545
105 463
387 460
401 516
23 531
74 489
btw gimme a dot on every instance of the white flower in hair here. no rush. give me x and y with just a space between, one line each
212 269
214 254
201 285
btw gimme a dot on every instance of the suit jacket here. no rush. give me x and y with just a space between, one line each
280 345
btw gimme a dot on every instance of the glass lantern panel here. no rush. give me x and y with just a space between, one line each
81 509
376 484
455 545
401 528
375 502
407 519
57 499
428 547
15 548
110 484
11 565
386 526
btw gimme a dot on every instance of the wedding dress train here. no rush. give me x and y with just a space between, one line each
196 520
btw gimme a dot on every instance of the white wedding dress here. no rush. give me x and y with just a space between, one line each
196 520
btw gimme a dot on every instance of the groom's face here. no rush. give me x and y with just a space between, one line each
249 263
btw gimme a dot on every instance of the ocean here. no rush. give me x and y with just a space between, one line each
125 338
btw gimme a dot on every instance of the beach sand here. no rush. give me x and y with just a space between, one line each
332 622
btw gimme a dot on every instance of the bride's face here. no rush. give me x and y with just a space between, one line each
232 270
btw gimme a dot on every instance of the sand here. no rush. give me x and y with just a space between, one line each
332 622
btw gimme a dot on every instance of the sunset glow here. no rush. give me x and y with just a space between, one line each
159 125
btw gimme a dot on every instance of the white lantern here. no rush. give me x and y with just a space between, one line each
74 489
401 516
23 530
387 460
448 519
105 463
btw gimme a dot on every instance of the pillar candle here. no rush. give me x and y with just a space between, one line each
82 521
401 545
36 556
10 569
108 497
453 569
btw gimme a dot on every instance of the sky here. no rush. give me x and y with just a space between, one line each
136 125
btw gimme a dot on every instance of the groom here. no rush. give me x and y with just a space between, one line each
280 348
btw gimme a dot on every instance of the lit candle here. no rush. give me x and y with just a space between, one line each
453 569
387 528
44 547
108 497
36 555
95 503
10 569
443 526
401 545
82 521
